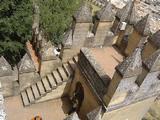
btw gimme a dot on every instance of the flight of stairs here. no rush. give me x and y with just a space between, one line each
51 82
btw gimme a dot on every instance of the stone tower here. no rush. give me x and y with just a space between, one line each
102 26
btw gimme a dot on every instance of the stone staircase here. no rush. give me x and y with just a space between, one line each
52 81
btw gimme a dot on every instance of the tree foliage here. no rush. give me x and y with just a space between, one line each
16 23
15 27
56 16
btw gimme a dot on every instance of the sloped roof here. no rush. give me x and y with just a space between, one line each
124 13
26 64
96 114
132 65
153 62
155 39
5 67
106 13
84 14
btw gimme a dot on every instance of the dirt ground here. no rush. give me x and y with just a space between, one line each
50 110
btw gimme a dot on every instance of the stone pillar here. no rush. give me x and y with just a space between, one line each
130 20
83 20
140 32
7 78
123 82
121 20
76 37
102 25
48 60
148 81
66 52
27 72
152 45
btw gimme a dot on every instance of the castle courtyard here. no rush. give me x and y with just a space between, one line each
50 110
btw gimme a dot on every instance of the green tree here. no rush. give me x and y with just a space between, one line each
56 16
15 27
16 23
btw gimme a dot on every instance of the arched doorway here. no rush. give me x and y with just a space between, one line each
77 98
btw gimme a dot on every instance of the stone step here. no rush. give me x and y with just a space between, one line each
68 69
72 64
51 81
62 74
25 98
35 91
41 88
30 95
57 77
46 84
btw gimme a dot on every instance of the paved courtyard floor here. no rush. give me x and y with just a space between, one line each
50 110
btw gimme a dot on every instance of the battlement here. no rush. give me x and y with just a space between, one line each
117 68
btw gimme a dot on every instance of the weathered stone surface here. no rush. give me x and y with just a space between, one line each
27 79
150 86
106 13
109 39
5 67
48 66
125 12
132 17
155 39
153 62
133 111
68 39
26 65
103 34
81 31
84 14
131 66
143 26
95 74
96 114
73 116
46 50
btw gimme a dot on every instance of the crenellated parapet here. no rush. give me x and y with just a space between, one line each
27 72
8 77
152 45
102 24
